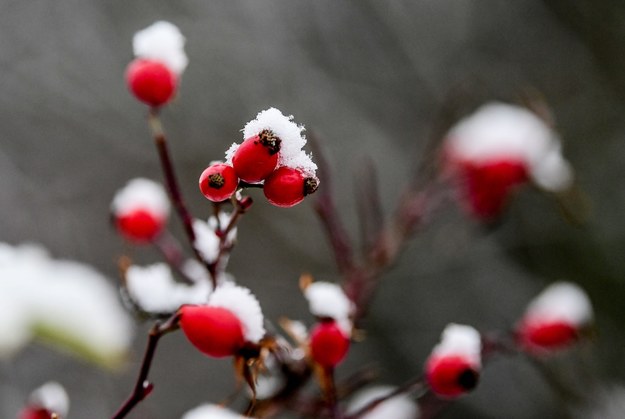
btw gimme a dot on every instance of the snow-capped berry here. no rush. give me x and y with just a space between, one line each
36 413
506 141
152 82
215 331
287 187
218 182
139 225
453 367
154 75
257 156
47 402
554 319
140 210
328 344
489 185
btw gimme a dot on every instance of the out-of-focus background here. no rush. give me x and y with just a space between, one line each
369 77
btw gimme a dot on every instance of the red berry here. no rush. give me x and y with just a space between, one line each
287 187
490 184
215 331
140 225
257 157
328 344
218 182
152 82
35 413
451 376
537 335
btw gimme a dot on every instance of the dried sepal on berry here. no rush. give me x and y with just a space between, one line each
140 210
287 187
257 157
453 368
555 319
218 182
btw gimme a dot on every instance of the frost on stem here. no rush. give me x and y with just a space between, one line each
397 407
154 290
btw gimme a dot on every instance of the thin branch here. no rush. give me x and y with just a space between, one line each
142 386
328 213
414 385
171 181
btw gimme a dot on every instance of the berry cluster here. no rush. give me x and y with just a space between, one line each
271 156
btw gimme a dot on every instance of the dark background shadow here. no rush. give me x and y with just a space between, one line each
368 77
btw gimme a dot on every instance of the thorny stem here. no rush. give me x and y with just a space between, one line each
173 188
142 386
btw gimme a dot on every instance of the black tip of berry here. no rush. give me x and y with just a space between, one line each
310 185
269 140
468 379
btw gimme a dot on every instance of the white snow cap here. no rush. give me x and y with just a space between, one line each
291 153
460 340
398 407
244 305
206 241
561 301
154 289
72 303
498 130
211 411
326 299
161 41
52 397
141 193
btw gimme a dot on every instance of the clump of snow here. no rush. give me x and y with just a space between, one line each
502 131
141 193
211 411
52 397
460 340
326 299
292 140
561 301
397 407
64 299
154 289
206 239
162 41
244 305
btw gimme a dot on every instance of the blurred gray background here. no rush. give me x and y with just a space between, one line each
369 77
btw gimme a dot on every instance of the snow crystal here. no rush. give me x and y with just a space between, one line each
398 407
211 411
206 241
52 397
162 41
498 130
561 301
154 289
244 305
291 153
326 299
461 340
64 298
141 193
